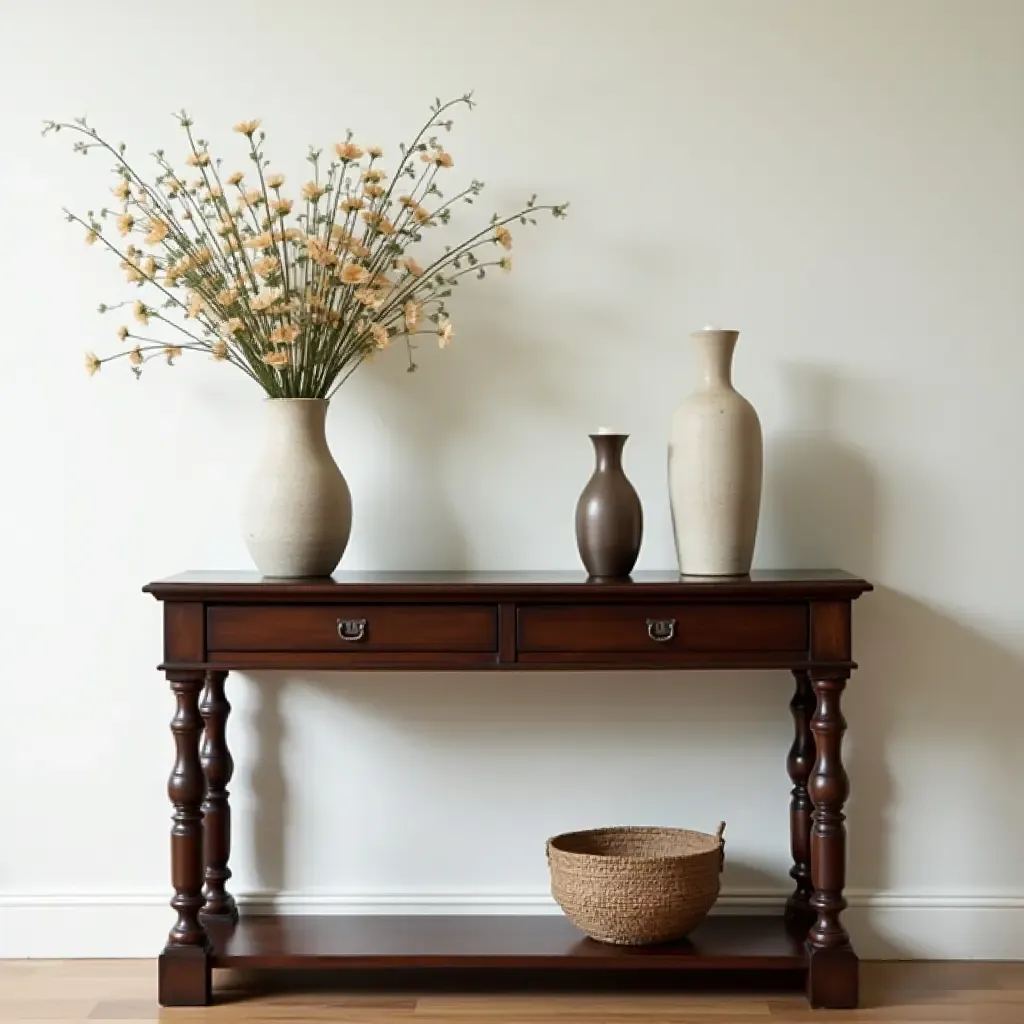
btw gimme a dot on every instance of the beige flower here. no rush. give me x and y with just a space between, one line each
172 275
200 159
196 184
444 335
373 191
278 360
122 189
236 178
421 215
319 253
215 192
284 308
353 273
231 327
266 267
187 215
412 266
372 217
357 249
380 335
227 296
352 203
275 181
438 157
225 227
172 352
385 227
132 273
122 333
125 223
219 350
91 236
348 151
369 297
247 127
140 312
158 231
172 185
149 267
92 363
408 202
282 207
411 311
375 152
195 306
374 174
311 191
265 299
252 198
285 334
135 356
261 241
506 264
503 236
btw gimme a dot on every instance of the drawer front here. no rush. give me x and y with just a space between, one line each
664 628
351 627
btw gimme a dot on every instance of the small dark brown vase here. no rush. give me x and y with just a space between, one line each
609 519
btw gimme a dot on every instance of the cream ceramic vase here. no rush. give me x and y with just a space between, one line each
297 511
715 458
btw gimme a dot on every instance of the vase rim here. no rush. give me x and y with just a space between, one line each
275 398
717 331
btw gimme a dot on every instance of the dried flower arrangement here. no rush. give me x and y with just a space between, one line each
295 302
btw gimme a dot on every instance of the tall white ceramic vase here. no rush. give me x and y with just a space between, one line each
715 459
297 510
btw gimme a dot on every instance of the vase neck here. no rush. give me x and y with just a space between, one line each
714 357
608 451
298 422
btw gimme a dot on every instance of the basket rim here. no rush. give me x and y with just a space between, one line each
715 842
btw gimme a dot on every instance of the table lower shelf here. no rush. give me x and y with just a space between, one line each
541 943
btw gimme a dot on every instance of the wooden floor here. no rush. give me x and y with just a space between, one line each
124 991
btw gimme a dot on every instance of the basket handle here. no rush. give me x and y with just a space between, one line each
720 836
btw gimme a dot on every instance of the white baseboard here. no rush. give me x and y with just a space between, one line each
883 926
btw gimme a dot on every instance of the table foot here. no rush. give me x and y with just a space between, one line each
184 976
832 979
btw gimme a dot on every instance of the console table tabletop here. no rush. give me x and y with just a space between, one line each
798 621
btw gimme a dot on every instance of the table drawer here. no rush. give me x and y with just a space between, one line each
662 628
352 627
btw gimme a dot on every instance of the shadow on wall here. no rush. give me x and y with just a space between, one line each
927 681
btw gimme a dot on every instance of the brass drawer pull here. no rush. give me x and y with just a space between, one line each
352 630
661 630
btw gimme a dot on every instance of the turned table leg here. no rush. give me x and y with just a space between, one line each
184 968
218 766
833 973
799 764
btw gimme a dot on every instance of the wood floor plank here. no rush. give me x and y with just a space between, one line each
124 991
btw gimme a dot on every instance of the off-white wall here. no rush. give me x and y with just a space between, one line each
843 182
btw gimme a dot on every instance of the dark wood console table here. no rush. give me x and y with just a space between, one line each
215 622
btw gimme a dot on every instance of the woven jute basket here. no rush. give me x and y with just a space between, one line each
633 886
